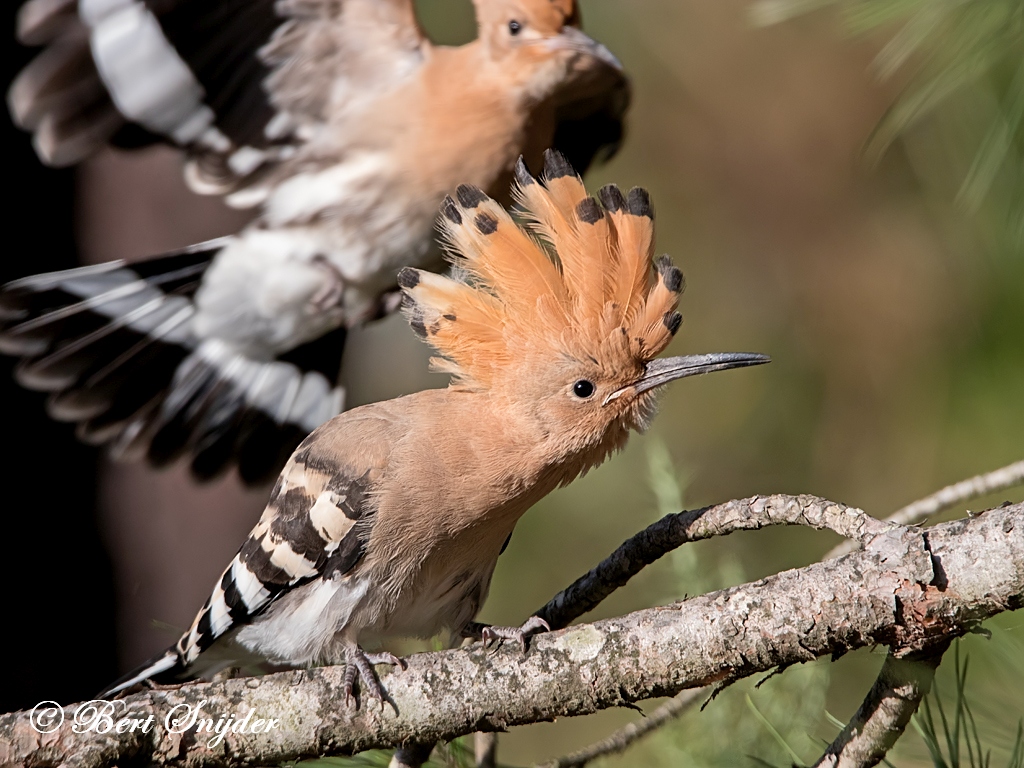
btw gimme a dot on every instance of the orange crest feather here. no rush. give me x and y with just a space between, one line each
508 291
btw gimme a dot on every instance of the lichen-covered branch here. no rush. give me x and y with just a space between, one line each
903 683
909 589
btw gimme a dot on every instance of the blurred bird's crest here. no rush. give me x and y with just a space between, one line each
577 280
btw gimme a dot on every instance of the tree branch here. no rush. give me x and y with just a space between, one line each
902 684
885 713
672 531
919 511
909 589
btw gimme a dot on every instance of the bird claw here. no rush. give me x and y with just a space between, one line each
358 662
530 627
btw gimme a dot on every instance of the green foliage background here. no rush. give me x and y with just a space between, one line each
840 190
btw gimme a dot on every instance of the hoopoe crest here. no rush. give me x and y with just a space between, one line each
563 315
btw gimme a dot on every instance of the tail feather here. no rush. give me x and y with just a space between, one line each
114 346
163 667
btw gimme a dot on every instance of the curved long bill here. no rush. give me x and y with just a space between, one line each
574 39
662 370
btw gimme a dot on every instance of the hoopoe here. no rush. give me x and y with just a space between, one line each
389 519
344 126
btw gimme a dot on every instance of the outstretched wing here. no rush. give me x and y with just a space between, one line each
239 81
114 345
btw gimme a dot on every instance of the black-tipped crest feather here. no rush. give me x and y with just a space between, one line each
556 166
638 201
470 196
611 198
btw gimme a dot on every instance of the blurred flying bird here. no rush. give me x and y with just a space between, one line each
344 126
389 519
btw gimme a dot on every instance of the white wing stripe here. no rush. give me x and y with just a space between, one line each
251 590
147 79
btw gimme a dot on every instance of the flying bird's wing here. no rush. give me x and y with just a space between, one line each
237 82
115 346
228 352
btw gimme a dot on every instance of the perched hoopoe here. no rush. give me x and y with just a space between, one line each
389 519
344 126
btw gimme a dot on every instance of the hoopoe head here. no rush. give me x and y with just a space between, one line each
540 45
561 320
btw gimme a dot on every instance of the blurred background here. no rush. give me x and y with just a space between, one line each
813 223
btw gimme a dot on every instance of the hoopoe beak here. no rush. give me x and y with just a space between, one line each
665 369
574 39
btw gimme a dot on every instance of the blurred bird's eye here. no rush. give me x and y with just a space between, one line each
514 27
583 389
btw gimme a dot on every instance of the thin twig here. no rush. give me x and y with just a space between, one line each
919 511
1009 476
628 734
885 713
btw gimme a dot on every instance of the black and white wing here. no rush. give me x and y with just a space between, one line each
237 82
312 536
116 346
227 352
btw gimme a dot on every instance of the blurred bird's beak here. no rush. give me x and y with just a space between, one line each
573 39
665 369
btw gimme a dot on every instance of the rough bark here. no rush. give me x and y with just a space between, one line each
910 589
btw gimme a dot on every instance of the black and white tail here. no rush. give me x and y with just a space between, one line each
115 347
163 668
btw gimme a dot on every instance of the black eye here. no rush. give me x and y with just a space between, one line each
583 389
514 27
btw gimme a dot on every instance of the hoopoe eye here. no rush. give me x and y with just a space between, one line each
514 27
583 389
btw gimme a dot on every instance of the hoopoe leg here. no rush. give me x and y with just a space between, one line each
359 663
486 632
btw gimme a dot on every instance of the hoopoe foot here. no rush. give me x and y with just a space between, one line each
358 662
487 633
